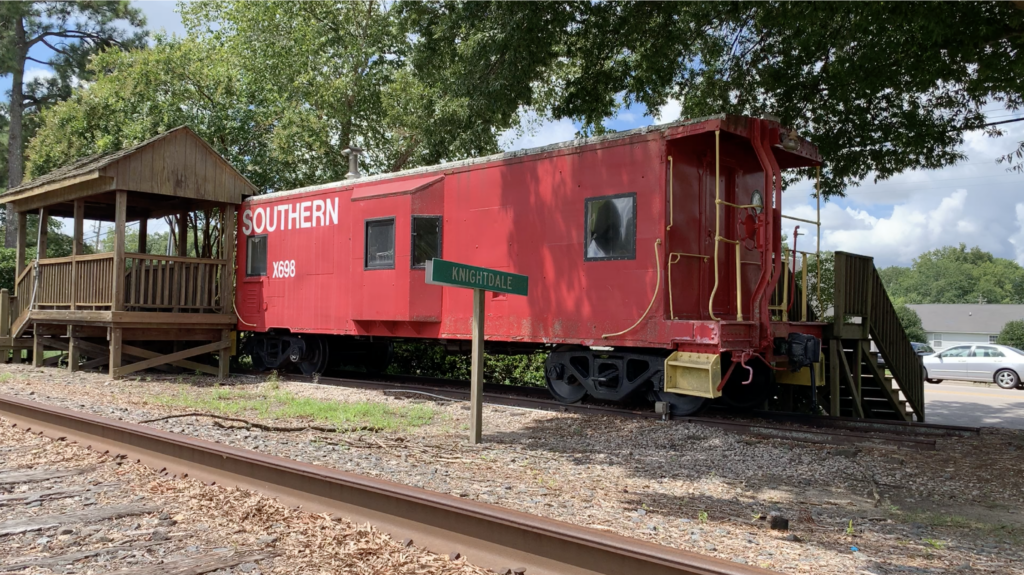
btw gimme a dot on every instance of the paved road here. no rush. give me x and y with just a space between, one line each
964 404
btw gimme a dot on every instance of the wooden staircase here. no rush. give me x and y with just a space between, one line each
859 387
878 395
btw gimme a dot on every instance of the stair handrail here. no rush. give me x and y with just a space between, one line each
859 292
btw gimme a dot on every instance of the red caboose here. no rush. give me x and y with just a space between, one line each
652 256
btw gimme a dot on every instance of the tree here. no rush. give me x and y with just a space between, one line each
821 280
71 32
339 75
956 275
911 323
880 88
279 89
1012 334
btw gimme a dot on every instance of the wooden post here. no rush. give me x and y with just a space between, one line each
143 229
5 313
37 348
227 273
44 214
224 355
833 376
77 248
115 351
120 213
74 355
476 393
182 246
22 224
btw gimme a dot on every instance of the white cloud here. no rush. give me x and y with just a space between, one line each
38 74
976 202
670 112
536 132
1017 239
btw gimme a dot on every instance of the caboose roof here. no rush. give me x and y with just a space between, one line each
168 168
807 155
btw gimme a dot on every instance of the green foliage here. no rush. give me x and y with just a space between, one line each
1012 334
956 275
156 242
821 281
278 88
880 88
911 323
431 360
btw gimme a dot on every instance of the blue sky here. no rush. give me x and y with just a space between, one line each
976 202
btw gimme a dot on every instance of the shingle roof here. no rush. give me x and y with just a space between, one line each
87 164
967 318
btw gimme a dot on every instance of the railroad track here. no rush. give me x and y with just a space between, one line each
501 539
794 427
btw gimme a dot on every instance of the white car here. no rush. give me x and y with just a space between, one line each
989 362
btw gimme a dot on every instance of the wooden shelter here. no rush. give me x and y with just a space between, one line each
151 310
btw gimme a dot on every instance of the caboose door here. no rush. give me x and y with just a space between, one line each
691 232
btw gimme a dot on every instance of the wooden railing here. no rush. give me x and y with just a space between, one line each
859 292
166 283
75 281
23 289
151 282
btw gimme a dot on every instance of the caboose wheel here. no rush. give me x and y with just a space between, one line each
315 359
568 390
682 404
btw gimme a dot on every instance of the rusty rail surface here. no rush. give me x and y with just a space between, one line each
866 433
487 535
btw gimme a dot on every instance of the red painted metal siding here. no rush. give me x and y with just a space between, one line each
526 215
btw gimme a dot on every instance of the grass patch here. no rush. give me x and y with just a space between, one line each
276 404
6 376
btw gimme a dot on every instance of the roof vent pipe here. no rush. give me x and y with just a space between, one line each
353 162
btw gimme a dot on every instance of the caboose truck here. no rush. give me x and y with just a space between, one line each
655 256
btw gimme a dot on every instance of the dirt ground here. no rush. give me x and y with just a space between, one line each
876 511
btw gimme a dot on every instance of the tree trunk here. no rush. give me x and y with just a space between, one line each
14 157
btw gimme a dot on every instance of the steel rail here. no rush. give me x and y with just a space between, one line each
487 535
820 430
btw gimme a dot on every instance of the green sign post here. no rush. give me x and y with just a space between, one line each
480 280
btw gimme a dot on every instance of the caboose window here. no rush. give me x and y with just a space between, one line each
611 228
426 239
256 256
380 244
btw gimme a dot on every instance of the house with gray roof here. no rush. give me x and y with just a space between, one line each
959 324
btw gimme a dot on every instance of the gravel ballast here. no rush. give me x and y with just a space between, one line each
878 511
172 523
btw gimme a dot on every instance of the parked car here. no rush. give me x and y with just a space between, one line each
999 363
922 349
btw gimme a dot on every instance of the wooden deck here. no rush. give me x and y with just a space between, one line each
74 304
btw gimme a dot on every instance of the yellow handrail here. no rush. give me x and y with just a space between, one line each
711 301
657 286
673 258
739 286
743 207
